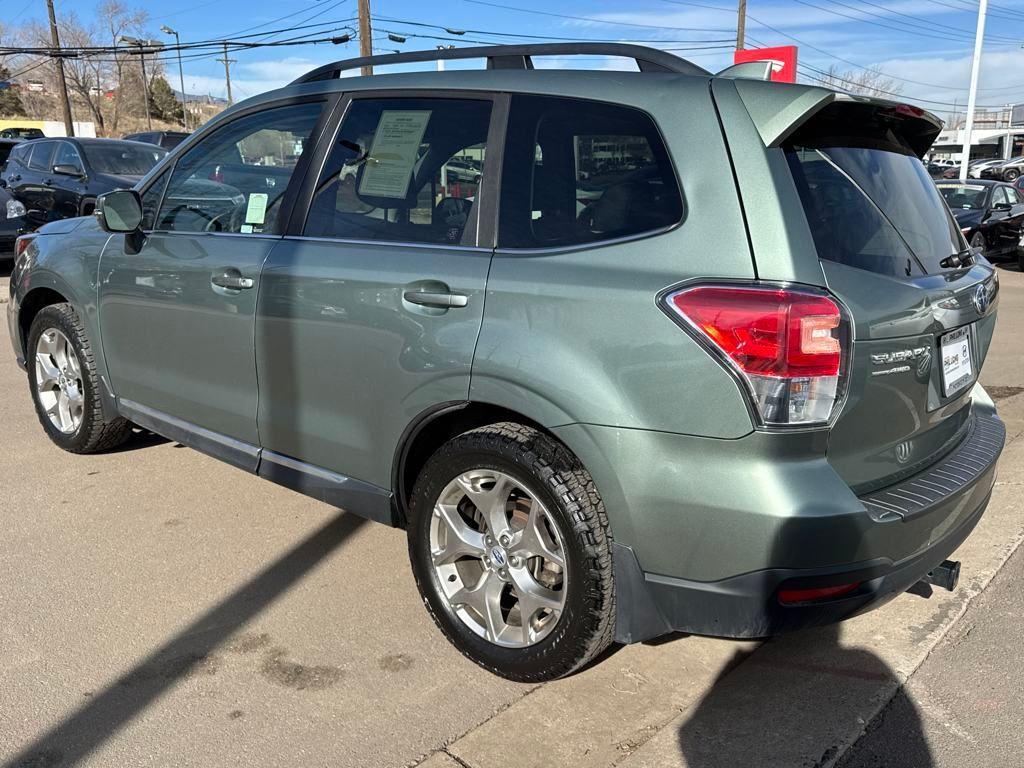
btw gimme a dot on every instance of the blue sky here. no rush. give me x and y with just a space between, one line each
924 44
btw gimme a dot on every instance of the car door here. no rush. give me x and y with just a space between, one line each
29 187
177 316
1014 219
370 307
67 188
1003 222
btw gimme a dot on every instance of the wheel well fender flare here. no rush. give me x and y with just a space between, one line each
430 429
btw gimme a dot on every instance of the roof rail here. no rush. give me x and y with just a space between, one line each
516 57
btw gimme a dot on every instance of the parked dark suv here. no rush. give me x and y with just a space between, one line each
166 139
61 178
694 353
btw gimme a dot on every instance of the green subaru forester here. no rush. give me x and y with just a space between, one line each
625 353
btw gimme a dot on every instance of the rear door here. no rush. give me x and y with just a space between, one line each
370 309
890 250
29 186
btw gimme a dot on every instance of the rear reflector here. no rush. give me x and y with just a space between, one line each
794 596
787 345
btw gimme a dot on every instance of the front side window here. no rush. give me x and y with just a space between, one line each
403 170
579 172
235 179
67 155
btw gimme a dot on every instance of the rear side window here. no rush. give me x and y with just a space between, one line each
404 170
41 156
869 201
20 153
579 172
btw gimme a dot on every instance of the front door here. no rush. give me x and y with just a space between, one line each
177 316
369 314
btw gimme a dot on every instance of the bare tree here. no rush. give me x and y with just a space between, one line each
864 82
118 19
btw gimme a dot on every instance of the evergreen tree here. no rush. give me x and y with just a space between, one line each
163 101
10 101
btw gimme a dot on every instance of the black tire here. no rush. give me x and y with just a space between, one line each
549 472
95 433
1011 174
978 241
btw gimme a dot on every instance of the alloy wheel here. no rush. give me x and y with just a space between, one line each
59 381
499 558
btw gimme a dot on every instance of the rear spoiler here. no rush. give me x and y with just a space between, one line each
780 110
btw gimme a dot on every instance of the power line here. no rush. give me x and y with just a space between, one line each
590 18
917 30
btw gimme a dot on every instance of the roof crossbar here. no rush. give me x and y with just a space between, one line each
516 57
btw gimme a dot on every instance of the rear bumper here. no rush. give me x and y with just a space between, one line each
812 533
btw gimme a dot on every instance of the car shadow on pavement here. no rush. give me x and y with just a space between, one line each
74 738
777 706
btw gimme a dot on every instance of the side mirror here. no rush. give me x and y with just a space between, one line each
119 211
67 170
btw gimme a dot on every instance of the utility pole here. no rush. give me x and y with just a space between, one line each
181 74
979 38
227 71
741 25
141 44
69 123
365 35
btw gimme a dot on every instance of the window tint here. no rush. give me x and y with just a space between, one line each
67 155
403 170
21 152
235 179
39 160
122 158
578 171
847 226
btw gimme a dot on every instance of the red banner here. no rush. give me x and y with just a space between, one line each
783 59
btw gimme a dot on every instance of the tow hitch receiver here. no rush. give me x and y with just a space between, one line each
945 575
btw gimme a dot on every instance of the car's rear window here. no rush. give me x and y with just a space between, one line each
868 199
123 159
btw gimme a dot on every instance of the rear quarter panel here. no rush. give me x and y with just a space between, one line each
575 336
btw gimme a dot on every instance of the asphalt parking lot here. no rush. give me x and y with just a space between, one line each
160 608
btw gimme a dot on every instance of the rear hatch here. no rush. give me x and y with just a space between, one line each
922 308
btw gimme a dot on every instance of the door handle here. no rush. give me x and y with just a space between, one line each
48 182
232 279
443 299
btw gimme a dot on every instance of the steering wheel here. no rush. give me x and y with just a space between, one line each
233 220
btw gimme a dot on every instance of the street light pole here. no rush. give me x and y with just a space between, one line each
181 74
979 38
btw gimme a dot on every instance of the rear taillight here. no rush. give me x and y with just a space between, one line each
22 244
786 344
